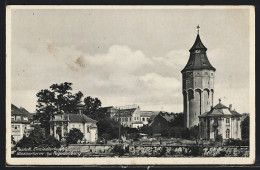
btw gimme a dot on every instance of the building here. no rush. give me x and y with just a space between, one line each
161 122
129 117
61 124
146 115
220 120
20 123
197 84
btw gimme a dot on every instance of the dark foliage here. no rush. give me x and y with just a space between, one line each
73 136
91 108
57 99
108 128
38 138
118 150
245 128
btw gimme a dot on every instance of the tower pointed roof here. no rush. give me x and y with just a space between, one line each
198 44
198 57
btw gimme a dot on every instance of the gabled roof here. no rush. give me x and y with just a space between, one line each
125 112
167 116
220 110
80 118
148 113
199 60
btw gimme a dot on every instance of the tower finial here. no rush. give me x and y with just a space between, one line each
219 100
198 27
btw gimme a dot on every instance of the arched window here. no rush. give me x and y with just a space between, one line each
227 133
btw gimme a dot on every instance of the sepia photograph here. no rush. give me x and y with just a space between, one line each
130 85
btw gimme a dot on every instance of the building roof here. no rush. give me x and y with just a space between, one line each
125 112
198 44
18 111
148 113
167 116
80 118
15 111
220 110
198 60
76 118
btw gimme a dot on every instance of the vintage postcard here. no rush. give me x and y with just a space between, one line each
130 85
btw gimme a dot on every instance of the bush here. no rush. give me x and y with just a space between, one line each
38 138
118 150
237 142
74 135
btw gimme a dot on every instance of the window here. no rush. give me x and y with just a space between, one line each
227 121
17 127
12 118
227 133
18 118
143 119
126 119
88 129
147 118
130 119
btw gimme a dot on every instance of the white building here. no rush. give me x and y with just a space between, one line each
20 123
220 120
61 124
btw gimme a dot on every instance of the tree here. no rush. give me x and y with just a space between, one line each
108 128
57 99
74 135
91 108
194 133
38 138
245 128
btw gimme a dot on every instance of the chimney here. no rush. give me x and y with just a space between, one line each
230 107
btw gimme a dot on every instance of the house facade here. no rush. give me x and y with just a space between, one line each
146 115
220 120
20 123
61 124
129 117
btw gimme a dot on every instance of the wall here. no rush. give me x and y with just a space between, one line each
170 151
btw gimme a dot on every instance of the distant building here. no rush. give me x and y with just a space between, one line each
146 115
220 120
21 123
129 117
161 122
61 124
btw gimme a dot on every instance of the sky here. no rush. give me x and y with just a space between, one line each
127 56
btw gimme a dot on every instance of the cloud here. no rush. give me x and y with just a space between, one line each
176 58
119 76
